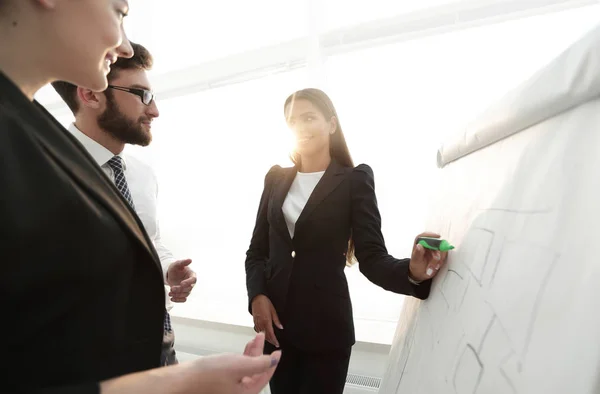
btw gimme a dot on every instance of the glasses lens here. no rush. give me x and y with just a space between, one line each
148 96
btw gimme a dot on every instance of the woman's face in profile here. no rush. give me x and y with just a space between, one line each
88 39
310 127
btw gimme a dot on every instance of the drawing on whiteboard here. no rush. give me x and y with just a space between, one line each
468 371
476 297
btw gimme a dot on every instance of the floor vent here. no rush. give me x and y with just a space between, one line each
364 382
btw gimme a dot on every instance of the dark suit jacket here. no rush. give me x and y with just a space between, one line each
81 288
304 277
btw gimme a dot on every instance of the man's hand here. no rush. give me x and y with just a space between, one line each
425 263
265 316
182 280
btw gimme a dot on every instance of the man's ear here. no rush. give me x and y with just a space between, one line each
89 98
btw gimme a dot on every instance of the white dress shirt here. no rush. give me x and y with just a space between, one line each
143 187
302 187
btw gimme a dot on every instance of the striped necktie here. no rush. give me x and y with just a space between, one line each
116 164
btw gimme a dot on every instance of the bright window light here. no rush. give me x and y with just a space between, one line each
344 13
182 33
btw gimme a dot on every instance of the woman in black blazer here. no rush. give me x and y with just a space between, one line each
311 219
81 290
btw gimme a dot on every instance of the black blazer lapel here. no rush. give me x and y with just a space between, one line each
83 170
279 194
332 177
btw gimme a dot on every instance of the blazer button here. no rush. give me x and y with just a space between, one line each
293 253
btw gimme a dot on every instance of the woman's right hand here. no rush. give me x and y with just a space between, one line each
228 374
265 317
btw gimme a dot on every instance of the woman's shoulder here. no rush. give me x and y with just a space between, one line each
277 169
274 169
275 172
361 171
362 176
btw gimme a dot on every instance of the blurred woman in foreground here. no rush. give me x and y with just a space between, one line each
81 286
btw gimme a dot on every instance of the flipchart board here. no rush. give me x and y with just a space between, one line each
517 308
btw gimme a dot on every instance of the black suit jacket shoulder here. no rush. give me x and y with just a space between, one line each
81 288
304 276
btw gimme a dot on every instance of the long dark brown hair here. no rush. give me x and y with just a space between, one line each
338 149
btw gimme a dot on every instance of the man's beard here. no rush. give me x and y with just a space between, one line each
119 126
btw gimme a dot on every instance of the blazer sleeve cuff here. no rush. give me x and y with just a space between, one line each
256 290
415 289
419 289
251 297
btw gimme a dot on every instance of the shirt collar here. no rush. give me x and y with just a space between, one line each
98 152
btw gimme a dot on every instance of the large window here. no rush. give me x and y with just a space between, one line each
396 104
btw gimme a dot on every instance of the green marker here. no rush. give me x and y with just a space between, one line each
435 244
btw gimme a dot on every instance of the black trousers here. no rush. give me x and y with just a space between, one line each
300 372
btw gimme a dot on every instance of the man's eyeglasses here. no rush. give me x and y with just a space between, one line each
146 95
